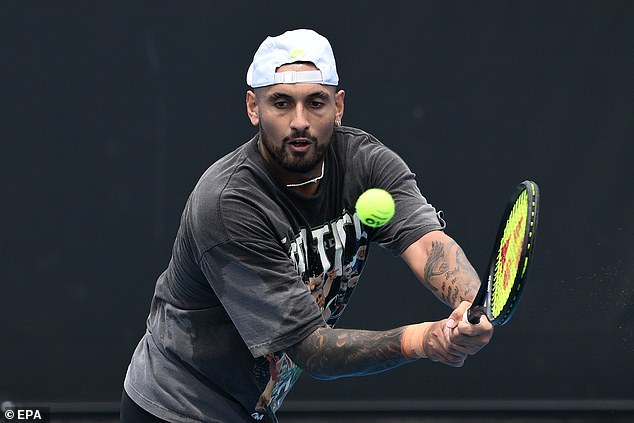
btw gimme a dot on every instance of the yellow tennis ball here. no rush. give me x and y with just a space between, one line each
375 207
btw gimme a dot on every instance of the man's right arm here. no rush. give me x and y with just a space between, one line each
329 353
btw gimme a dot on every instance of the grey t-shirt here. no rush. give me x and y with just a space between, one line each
256 268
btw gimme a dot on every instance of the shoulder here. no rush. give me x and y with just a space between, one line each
359 144
355 137
361 152
234 199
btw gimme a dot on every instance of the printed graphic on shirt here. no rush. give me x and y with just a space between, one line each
329 259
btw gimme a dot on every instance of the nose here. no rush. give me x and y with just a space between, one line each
300 120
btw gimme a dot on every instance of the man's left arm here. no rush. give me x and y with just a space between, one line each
441 265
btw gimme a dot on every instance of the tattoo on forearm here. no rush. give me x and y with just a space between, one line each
471 279
450 277
331 353
436 264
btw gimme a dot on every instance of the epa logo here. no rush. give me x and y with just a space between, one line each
26 415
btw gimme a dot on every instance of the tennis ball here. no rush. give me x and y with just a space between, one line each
375 207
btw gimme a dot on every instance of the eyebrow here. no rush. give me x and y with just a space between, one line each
317 94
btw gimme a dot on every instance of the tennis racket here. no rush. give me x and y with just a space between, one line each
510 260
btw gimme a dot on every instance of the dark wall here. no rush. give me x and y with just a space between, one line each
110 113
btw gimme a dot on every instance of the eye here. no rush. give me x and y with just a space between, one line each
316 104
281 104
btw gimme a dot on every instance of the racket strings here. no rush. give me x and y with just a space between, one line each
509 255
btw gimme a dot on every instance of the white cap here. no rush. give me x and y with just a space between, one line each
300 45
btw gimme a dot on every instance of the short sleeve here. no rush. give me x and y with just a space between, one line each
270 306
238 235
414 216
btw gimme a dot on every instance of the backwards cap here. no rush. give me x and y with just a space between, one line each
300 45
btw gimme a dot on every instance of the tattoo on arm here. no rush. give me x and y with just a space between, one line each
449 275
436 264
331 353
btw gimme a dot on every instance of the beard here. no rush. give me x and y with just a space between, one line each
295 162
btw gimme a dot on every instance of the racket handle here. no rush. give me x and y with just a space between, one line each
473 315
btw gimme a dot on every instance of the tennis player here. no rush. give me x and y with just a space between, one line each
270 250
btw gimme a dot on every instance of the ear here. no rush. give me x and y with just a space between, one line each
252 108
339 105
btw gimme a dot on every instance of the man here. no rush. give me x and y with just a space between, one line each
269 251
